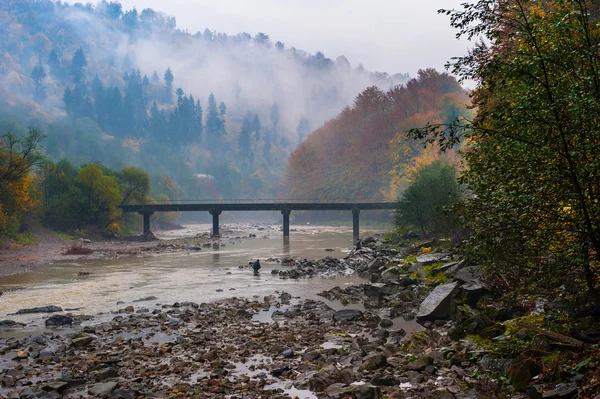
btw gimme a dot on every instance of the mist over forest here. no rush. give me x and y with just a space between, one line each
206 114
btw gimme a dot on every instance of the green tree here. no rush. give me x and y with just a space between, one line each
169 78
532 154
78 65
38 75
101 196
425 200
245 141
135 185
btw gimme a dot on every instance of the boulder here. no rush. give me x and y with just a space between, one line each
468 275
348 315
58 320
10 324
437 304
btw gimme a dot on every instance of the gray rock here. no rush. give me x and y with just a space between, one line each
468 275
42 309
374 363
10 324
428 259
336 390
58 320
437 304
82 341
35 393
348 315
420 364
103 389
386 323
562 391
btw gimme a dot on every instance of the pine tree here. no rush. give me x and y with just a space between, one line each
54 63
77 65
168 96
245 142
38 75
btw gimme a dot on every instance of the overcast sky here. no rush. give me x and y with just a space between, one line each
384 35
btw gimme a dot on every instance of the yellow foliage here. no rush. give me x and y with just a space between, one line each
426 250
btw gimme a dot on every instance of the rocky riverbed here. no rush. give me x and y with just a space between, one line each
278 346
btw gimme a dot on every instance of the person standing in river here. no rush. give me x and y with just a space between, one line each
256 266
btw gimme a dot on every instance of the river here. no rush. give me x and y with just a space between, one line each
198 276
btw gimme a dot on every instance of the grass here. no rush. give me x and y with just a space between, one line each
25 238
65 236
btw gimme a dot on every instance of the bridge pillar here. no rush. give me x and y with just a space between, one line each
286 222
146 216
355 224
215 214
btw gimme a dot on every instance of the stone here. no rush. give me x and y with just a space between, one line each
124 394
373 363
56 386
336 390
82 341
58 320
35 393
348 315
420 364
386 323
10 324
366 391
468 275
42 309
103 389
427 259
562 391
473 292
437 304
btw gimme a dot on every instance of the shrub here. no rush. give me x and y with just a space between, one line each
422 204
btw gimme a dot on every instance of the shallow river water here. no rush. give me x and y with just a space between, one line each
197 276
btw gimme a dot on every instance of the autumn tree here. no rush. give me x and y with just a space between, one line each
533 166
17 157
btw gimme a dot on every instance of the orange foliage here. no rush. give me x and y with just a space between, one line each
351 156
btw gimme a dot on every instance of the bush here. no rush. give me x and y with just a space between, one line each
77 250
423 203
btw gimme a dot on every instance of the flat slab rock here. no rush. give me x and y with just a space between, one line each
347 315
42 309
430 258
437 304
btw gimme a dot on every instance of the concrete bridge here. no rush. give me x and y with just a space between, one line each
216 207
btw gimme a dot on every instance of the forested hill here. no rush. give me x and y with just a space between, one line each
215 114
364 152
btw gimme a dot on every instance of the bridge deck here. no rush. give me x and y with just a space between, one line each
253 206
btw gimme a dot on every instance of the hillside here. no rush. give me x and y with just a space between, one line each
363 153
216 114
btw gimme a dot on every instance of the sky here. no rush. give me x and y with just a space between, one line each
384 35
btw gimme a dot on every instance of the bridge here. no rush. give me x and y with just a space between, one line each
216 207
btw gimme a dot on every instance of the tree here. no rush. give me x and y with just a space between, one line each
101 196
78 65
245 141
168 96
422 204
155 78
303 129
215 125
54 63
135 185
17 158
532 155
38 75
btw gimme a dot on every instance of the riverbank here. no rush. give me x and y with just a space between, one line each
281 345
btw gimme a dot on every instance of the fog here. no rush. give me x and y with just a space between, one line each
384 35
